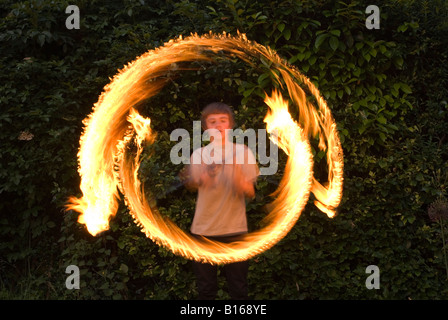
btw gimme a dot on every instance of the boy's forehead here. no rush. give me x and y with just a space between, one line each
217 116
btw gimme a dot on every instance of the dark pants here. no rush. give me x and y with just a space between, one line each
235 274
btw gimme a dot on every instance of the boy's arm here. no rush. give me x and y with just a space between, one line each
187 179
246 174
194 175
190 174
242 185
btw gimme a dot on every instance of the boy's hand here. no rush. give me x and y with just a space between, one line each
204 179
186 177
208 173
205 176
242 185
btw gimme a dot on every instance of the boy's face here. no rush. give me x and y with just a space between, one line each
219 121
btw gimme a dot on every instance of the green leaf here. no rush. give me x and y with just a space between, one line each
336 33
281 27
320 39
367 57
347 90
292 59
334 43
402 28
263 77
124 268
300 56
381 120
405 88
41 39
398 61
334 71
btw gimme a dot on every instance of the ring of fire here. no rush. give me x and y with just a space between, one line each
105 167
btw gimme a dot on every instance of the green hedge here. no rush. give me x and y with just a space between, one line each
387 90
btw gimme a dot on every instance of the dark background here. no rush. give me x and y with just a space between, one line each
388 92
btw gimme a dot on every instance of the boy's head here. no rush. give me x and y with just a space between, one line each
216 108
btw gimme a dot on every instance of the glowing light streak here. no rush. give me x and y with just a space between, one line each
105 167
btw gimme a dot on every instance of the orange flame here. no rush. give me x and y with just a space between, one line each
105 167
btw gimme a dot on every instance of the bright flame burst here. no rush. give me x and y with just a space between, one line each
105 167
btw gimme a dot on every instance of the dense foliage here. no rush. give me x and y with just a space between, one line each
388 91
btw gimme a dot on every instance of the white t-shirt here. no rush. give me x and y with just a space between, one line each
220 211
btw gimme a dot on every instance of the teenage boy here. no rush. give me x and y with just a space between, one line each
224 174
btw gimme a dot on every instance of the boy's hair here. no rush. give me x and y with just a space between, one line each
216 108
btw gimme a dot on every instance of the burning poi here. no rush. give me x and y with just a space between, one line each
105 168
